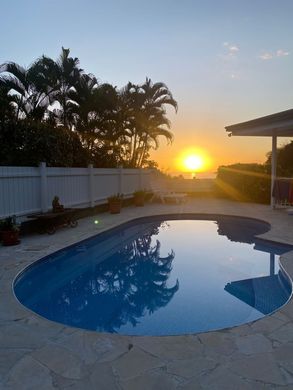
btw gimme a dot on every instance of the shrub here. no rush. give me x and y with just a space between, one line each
244 182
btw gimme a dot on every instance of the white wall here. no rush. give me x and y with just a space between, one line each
25 190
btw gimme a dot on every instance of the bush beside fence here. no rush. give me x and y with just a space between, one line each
244 182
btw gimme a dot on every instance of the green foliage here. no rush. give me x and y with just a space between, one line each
27 143
116 127
284 160
116 198
9 224
244 182
140 193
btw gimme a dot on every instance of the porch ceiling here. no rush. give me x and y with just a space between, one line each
279 124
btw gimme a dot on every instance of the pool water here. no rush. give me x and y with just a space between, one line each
160 276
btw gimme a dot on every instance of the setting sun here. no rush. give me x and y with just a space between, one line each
193 162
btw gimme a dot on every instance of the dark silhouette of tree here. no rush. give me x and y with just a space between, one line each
28 89
284 160
116 127
7 111
146 118
27 143
120 290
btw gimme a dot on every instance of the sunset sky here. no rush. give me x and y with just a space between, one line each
224 61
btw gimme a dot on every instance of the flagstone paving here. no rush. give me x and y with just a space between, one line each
39 354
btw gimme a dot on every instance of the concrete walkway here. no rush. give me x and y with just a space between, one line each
38 354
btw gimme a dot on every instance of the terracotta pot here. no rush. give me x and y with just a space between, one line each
10 237
115 207
139 201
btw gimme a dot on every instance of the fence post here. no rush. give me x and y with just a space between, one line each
91 184
44 187
120 178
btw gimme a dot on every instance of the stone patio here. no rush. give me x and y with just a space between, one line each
39 354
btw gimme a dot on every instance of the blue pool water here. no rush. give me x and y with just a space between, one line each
160 276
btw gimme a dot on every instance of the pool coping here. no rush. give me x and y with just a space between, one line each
33 344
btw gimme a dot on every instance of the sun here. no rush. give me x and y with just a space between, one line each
193 162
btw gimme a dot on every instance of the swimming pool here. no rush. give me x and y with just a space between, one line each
164 275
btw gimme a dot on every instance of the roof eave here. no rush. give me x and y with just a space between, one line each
280 124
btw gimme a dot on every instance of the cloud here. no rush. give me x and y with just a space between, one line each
231 49
266 56
270 55
282 53
234 48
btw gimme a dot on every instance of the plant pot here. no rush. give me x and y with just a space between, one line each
139 201
115 207
10 238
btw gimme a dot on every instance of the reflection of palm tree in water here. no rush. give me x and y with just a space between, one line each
128 285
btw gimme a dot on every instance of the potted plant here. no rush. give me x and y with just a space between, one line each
115 203
56 206
9 231
139 198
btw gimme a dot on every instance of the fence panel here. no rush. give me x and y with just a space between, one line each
19 190
106 183
25 190
70 184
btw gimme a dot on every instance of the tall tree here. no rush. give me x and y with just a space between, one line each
28 89
63 76
147 120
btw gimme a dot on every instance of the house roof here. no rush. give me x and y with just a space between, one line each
279 124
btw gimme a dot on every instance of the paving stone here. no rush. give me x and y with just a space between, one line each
11 310
61 361
102 377
283 334
267 324
8 358
218 342
50 328
192 384
79 345
14 335
284 356
240 330
223 379
261 367
169 348
150 381
109 347
191 368
28 374
134 363
252 344
281 316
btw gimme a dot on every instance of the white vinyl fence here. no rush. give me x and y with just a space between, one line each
25 190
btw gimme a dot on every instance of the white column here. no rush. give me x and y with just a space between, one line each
91 184
44 200
274 167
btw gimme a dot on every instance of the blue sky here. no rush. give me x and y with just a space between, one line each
225 61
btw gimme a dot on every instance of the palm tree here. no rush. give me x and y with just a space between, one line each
95 115
64 76
7 112
147 121
28 89
156 97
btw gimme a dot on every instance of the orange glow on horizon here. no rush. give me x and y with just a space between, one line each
193 160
